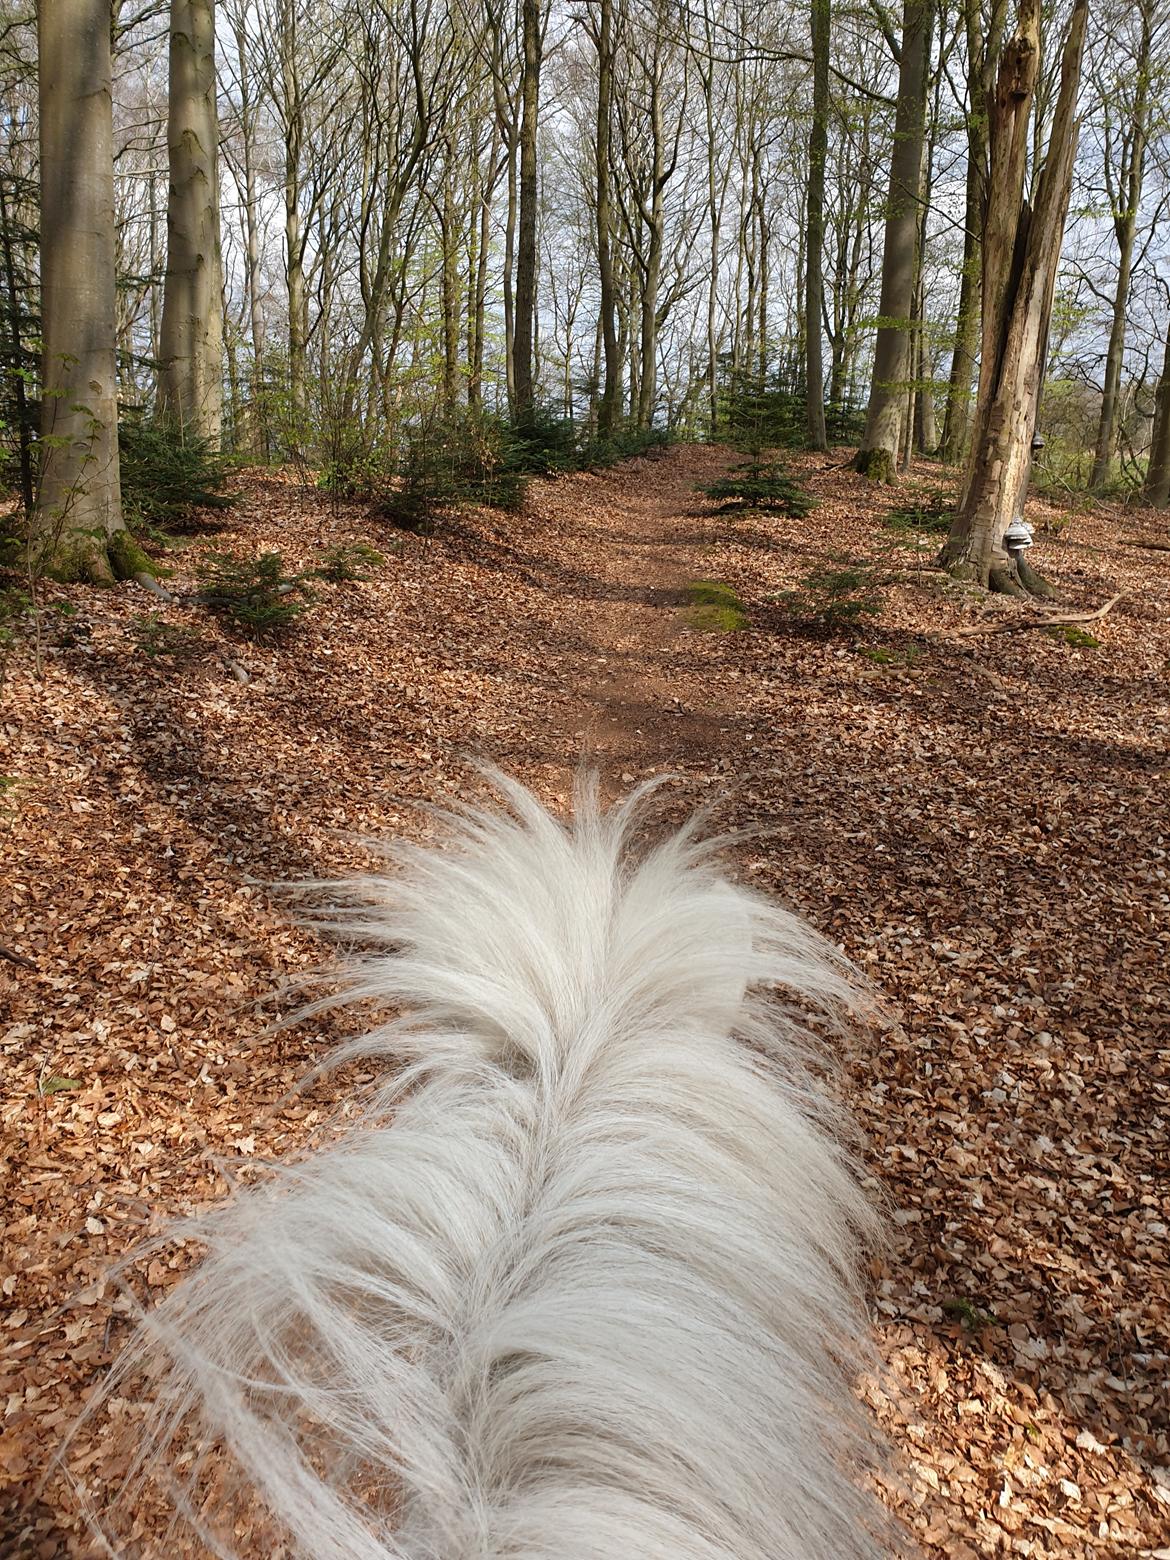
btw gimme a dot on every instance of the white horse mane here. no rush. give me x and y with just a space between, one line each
583 1284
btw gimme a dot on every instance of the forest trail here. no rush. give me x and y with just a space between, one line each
636 548
979 822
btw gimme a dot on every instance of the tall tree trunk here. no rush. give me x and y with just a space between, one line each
257 419
983 50
957 414
878 456
648 377
191 337
922 430
294 243
449 286
14 283
1129 188
814 279
611 393
478 309
78 531
1020 257
522 345
1156 490
509 278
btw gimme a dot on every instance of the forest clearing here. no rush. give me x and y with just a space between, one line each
977 819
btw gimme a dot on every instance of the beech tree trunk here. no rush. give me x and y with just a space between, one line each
982 51
78 532
1126 200
449 284
191 337
292 117
1021 252
1157 484
257 416
611 393
878 456
522 344
814 292
957 415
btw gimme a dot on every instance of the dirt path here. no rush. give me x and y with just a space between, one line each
980 826
639 547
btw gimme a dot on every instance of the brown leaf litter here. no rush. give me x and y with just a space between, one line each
980 821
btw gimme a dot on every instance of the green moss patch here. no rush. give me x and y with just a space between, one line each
1072 635
714 607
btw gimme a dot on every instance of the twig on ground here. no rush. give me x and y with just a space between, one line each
1012 623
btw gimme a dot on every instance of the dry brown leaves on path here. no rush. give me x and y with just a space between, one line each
979 821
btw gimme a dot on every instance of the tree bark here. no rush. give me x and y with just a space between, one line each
14 283
611 393
1156 490
257 417
982 52
191 337
292 115
78 531
522 344
1131 176
814 304
878 456
449 284
957 415
1020 259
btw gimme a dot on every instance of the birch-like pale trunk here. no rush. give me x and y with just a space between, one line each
191 336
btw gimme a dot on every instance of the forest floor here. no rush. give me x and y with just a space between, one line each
980 821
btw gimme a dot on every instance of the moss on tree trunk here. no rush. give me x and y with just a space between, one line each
95 560
876 464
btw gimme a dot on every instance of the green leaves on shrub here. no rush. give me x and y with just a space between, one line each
255 593
157 639
478 458
931 512
348 561
475 459
167 475
755 485
836 600
623 444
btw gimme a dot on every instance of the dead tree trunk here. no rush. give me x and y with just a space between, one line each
1021 252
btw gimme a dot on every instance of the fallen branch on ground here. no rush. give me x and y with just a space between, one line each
1012 623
